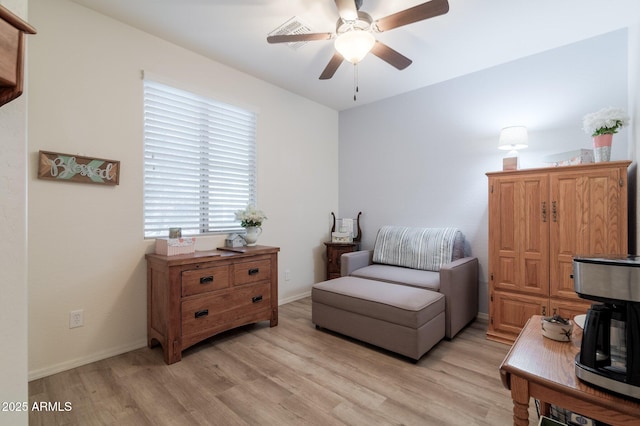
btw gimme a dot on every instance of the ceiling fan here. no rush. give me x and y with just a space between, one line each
354 33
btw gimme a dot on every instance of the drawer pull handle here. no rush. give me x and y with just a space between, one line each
206 280
254 271
201 314
256 299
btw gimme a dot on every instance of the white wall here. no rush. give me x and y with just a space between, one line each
420 158
86 246
13 248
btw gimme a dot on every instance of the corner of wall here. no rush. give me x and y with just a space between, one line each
634 133
13 250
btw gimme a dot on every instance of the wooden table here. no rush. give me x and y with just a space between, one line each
544 369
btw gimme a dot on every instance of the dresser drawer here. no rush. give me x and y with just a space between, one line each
212 310
251 272
198 281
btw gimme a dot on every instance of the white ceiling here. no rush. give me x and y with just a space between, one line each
474 35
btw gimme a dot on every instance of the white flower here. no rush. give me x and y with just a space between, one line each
250 216
607 120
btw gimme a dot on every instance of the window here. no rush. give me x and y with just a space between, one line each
199 162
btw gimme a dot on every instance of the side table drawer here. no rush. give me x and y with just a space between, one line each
251 272
210 311
203 280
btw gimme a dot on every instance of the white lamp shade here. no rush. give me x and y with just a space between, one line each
514 137
354 45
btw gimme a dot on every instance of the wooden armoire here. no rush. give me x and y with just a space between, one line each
538 220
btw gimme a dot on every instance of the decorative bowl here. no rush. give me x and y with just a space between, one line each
557 328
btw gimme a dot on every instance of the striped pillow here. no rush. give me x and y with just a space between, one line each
418 248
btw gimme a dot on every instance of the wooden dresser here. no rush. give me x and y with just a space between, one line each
192 297
538 220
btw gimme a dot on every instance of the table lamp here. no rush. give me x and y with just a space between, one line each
512 139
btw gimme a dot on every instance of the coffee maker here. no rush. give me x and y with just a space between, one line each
610 351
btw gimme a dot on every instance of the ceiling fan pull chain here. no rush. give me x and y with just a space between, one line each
355 81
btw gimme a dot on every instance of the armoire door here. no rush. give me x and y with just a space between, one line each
588 218
519 234
510 312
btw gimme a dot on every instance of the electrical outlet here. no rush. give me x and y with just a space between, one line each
76 318
287 275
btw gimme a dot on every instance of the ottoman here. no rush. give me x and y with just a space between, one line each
403 319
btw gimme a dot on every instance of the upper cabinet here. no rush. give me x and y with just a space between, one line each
12 40
538 220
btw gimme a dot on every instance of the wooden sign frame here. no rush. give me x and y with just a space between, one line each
76 168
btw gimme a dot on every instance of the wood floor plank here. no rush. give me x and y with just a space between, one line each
291 374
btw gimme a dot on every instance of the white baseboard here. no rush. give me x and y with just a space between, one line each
77 362
483 316
294 298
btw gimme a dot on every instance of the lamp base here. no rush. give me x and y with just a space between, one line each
510 163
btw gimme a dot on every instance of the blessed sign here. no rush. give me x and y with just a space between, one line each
75 168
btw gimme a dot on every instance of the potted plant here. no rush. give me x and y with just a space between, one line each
251 219
602 125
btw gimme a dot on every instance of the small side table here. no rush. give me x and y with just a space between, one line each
334 251
544 369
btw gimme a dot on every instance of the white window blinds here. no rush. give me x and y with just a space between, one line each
199 162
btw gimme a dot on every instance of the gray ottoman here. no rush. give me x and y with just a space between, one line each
406 320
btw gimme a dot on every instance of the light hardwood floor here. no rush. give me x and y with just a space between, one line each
291 374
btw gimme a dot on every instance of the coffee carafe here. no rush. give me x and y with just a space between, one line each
610 350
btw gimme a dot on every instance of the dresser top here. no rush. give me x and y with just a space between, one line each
222 252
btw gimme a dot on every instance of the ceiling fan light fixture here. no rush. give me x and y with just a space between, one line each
354 45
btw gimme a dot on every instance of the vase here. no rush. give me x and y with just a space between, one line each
602 147
251 237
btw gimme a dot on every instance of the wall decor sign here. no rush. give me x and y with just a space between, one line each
76 168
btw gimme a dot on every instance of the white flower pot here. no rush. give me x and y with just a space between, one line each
251 237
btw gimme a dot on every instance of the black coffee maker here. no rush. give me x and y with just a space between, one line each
610 351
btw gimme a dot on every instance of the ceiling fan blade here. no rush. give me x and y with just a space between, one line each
332 66
347 9
390 56
294 38
413 14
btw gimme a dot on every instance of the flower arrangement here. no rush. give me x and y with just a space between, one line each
250 217
605 121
